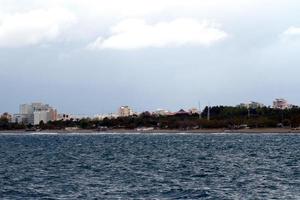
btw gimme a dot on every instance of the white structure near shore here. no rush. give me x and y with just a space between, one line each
34 113
109 116
45 116
252 105
162 112
125 111
281 104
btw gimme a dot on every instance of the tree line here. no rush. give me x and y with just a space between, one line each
227 117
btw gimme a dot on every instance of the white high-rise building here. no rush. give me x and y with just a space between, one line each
26 109
34 113
281 104
125 111
252 105
45 116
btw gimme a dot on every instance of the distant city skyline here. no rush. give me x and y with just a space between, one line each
90 57
126 110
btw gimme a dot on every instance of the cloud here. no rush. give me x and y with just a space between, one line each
33 27
136 34
290 36
33 22
292 31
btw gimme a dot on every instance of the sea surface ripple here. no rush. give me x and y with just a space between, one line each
147 166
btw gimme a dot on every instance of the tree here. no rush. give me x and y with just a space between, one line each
42 124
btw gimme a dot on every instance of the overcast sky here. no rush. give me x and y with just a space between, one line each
92 56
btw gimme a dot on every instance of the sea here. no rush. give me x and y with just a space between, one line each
149 166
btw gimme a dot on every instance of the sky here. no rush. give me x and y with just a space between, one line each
92 56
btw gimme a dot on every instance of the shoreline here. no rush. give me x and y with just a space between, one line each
167 131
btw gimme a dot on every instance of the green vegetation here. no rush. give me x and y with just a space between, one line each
6 125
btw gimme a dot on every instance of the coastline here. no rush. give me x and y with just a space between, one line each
167 131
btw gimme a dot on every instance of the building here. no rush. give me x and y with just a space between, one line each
125 111
26 109
81 116
45 116
281 104
252 105
162 112
103 116
34 113
255 105
20 119
74 117
63 117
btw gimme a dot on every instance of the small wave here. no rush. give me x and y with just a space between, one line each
43 133
149 167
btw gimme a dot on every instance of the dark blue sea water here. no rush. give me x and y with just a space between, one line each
115 166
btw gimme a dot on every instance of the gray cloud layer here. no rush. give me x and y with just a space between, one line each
43 54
